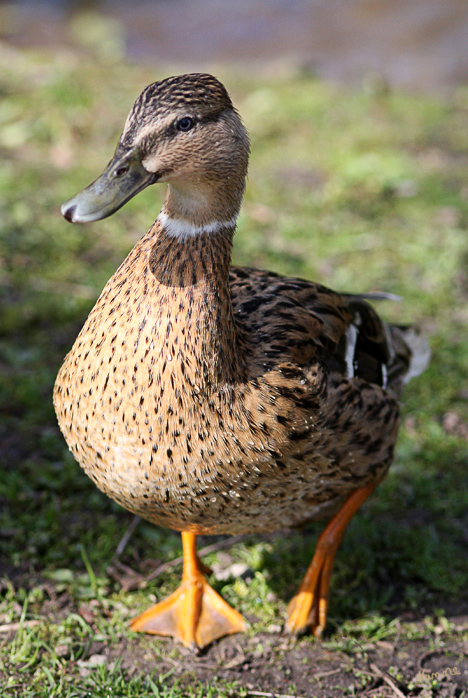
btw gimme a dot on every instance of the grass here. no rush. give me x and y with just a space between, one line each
360 190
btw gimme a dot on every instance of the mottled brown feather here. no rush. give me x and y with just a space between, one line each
216 417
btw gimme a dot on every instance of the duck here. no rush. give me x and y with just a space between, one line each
213 399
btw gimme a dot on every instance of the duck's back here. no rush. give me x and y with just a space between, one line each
292 319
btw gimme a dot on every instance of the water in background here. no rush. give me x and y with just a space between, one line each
416 44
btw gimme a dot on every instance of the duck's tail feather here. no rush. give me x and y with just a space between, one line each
376 296
387 355
419 347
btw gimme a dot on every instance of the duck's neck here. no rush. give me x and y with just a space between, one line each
205 202
190 263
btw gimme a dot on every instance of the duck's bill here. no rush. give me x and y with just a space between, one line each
123 179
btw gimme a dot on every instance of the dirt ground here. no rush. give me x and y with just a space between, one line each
425 657
269 664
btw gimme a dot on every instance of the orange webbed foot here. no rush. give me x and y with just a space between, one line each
195 613
309 606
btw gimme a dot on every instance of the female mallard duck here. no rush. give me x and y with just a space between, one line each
212 399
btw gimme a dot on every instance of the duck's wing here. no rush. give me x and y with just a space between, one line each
293 320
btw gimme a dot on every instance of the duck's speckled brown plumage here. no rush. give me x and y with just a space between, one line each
213 416
211 399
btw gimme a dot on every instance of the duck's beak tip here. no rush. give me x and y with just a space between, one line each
68 212
124 177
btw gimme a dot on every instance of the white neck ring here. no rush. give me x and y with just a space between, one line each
180 228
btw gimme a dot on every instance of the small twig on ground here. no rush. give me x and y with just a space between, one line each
271 695
380 673
323 674
21 624
397 638
388 680
424 656
226 543
126 537
176 663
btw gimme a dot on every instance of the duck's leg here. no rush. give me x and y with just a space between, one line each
309 606
194 614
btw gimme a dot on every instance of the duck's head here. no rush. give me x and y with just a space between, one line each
183 131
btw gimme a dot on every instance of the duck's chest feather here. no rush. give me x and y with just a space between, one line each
161 410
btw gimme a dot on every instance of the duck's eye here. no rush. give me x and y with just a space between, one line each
185 124
120 171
